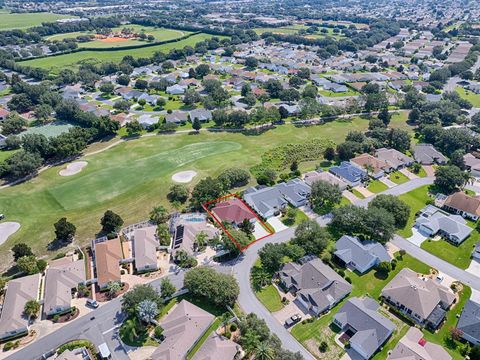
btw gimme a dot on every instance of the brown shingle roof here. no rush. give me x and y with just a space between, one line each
365 160
464 202
107 257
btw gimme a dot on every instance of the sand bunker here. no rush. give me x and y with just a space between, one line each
7 229
184 176
73 168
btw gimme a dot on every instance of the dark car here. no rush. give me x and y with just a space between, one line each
293 320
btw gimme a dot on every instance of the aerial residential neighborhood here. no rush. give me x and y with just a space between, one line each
268 180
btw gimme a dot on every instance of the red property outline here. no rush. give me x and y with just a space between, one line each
205 207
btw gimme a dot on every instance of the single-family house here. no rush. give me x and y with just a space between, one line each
217 347
176 89
472 163
13 321
376 168
463 205
469 322
132 94
361 256
370 329
3 114
313 176
147 120
413 346
432 221
149 99
107 261
316 285
266 201
182 327
200 114
295 191
394 158
145 245
426 154
421 299
187 227
233 211
177 117
351 174
75 354
62 277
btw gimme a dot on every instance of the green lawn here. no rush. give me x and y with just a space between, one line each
327 93
369 284
4 154
468 95
58 62
135 175
357 193
422 173
417 200
23 21
270 298
299 218
398 178
460 256
376 186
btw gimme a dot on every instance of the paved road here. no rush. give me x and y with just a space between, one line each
439 264
104 328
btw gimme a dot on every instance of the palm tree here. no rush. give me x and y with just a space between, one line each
250 342
369 169
129 329
260 278
264 351
158 214
113 288
31 309
147 311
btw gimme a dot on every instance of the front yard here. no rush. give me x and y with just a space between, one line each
417 200
460 255
376 186
398 178
270 298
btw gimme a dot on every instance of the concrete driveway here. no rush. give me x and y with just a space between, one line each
288 311
387 182
474 267
277 224
408 173
417 238
259 231
429 170
364 191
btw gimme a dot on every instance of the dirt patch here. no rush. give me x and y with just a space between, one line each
7 229
184 177
73 168
114 40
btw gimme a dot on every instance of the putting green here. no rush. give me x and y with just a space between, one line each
107 183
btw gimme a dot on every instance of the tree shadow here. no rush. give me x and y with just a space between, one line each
57 244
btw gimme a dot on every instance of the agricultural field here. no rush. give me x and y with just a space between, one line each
56 63
10 21
133 176
160 34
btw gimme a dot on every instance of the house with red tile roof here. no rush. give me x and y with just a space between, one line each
233 211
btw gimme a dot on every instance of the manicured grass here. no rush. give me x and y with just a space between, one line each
50 130
357 193
270 298
23 21
214 326
369 284
300 217
441 337
376 186
422 173
4 154
134 176
469 95
58 62
349 92
460 255
398 178
416 199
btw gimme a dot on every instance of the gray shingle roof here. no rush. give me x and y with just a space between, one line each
350 249
372 329
427 154
265 200
469 322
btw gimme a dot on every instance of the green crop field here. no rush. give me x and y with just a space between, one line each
56 63
132 177
23 21
160 34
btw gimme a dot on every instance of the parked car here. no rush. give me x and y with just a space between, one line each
92 303
293 320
